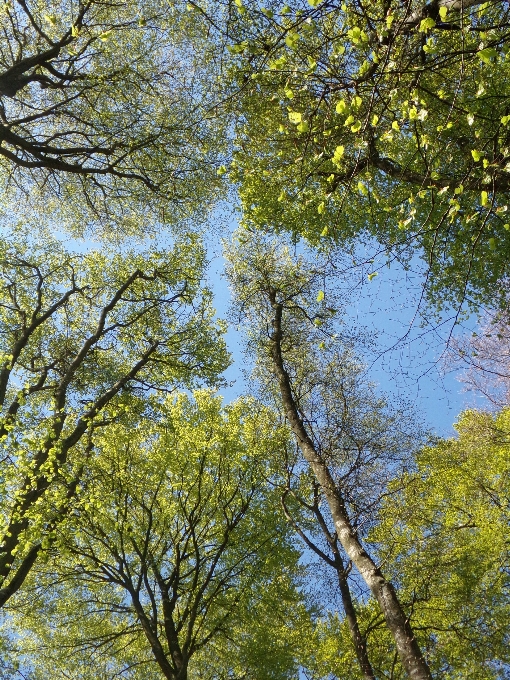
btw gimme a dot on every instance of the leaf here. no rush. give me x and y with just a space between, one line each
303 126
426 25
221 170
321 208
492 244
443 11
320 296
487 54
395 126
356 127
476 155
288 93
372 275
338 155
341 106
295 117
375 119
484 198
292 39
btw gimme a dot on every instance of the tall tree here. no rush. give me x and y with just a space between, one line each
174 564
384 119
80 335
444 538
276 295
107 110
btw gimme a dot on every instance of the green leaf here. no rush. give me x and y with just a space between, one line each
341 106
292 39
426 25
487 54
320 296
476 155
372 275
484 198
295 117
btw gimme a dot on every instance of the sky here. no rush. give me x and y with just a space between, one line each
408 361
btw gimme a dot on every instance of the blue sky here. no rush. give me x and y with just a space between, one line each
407 362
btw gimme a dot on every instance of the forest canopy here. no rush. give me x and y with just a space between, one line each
302 517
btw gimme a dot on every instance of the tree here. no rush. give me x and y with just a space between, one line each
443 537
82 335
386 120
289 333
107 110
485 359
174 564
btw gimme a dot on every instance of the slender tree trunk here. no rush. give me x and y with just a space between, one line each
359 640
407 647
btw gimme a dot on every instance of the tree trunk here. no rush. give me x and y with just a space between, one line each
407 647
359 640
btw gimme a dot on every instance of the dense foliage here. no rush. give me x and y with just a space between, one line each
312 527
385 120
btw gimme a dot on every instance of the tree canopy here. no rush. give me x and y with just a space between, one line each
386 120
107 111
81 336
174 564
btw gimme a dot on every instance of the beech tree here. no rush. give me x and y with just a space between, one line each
81 335
174 564
288 332
385 120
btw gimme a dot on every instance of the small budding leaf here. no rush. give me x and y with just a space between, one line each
320 296
476 155
484 199
443 11
321 208
295 117
372 275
